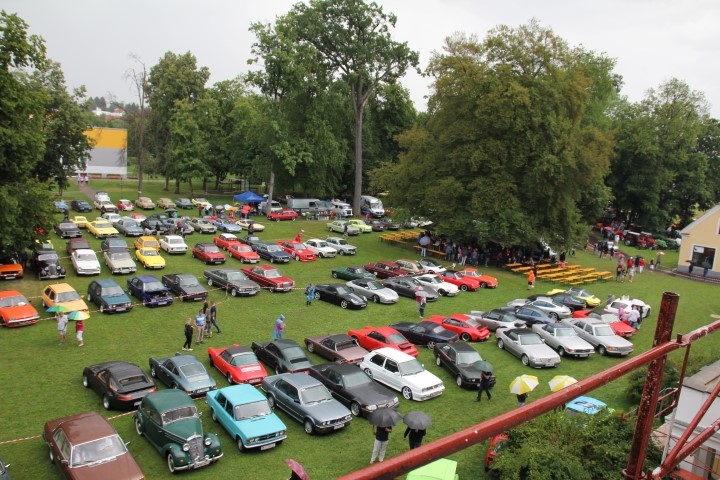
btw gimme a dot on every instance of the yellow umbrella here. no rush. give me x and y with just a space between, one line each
78 315
558 382
523 384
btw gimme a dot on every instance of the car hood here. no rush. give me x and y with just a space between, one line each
127 262
20 311
259 426
155 260
371 394
116 299
421 380
194 289
539 351
185 429
353 298
75 305
469 371
573 342
87 263
198 382
324 411
122 467
615 341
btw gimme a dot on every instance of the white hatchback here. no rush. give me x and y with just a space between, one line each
403 373
173 244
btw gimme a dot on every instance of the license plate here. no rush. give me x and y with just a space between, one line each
121 309
202 390
338 427
10 277
162 303
268 446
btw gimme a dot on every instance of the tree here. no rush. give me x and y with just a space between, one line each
187 146
139 79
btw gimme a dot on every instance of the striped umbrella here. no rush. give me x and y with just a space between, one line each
524 384
57 308
558 382
78 315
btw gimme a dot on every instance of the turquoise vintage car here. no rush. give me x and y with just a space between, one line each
171 423
246 415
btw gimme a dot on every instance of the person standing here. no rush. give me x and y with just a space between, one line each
415 437
187 346
279 328
345 229
309 294
212 317
79 330
200 320
62 321
633 318
66 214
631 274
484 386
641 265
298 237
522 398
531 278
420 299
382 435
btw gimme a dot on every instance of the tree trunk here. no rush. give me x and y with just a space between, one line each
271 187
357 191
177 186
141 148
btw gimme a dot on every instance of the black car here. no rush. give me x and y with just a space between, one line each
233 281
121 385
532 315
376 225
184 203
564 298
251 240
353 388
459 359
81 206
155 225
186 286
284 355
272 252
389 224
108 296
114 245
46 263
128 227
67 230
425 333
339 294
407 286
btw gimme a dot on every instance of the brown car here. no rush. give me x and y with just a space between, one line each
339 348
383 270
76 244
86 446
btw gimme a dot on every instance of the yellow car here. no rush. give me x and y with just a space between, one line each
102 229
360 225
200 201
79 221
165 203
147 241
145 203
150 258
65 295
591 300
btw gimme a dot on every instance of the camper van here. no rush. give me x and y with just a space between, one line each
342 209
371 205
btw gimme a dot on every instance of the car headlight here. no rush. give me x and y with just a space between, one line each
207 441
370 408
186 448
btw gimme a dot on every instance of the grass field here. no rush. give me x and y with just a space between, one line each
42 380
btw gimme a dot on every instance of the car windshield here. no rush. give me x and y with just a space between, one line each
175 241
564 332
189 282
294 354
529 340
410 367
243 248
14 301
299 246
133 380
67 225
112 291
97 451
436 329
472 321
212 249
181 413
252 410
193 370
236 276
48 257
356 379
150 252
343 290
274 248
374 286
102 225
130 224
86 257
67 296
468 358
243 360
317 244
604 331
340 242
149 286
120 256
431 279
272 274
314 394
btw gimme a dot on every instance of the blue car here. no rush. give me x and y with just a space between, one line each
246 415
108 296
227 226
584 406
271 252
149 290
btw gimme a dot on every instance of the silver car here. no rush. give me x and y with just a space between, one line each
497 318
562 337
373 290
119 262
546 304
202 225
341 245
527 346
443 288
601 336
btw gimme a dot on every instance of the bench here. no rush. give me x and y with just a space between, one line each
437 253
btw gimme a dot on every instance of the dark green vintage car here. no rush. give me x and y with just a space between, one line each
351 273
171 423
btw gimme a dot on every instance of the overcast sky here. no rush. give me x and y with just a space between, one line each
651 40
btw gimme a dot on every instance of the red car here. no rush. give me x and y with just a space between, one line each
285 214
226 240
384 269
372 338
208 253
238 364
469 329
621 329
270 277
10 269
486 281
244 253
15 310
457 278
298 250
496 443
124 205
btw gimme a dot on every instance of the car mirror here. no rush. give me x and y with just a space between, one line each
64 462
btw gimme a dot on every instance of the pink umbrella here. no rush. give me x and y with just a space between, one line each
298 472
620 255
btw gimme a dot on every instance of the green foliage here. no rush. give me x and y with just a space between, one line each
636 382
187 146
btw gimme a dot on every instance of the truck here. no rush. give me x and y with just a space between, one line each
372 205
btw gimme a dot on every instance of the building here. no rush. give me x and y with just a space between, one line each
108 157
700 243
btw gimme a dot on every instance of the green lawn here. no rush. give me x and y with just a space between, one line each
42 381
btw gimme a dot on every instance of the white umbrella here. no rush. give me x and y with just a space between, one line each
524 384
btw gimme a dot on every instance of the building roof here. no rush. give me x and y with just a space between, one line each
705 216
706 379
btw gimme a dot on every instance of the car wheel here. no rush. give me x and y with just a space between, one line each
500 344
106 402
334 274
561 351
86 383
342 252
240 445
344 304
229 378
297 258
153 373
277 219
271 402
554 316
272 260
525 360
355 409
317 295
483 285
102 308
210 282
602 350
407 393
465 337
437 361
138 427
459 381
368 372
463 288
234 292
376 299
213 416
310 347
171 463
193 254
175 386
309 428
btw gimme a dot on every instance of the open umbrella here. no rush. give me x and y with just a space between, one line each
558 382
384 417
57 308
417 420
298 471
425 241
483 366
78 315
523 384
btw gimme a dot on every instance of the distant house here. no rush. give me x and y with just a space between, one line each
700 243
109 154
116 113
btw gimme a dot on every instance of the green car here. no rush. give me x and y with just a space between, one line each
171 423
351 273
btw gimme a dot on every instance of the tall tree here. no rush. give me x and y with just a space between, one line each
217 126
187 147
139 79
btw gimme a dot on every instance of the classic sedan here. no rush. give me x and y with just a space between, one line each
145 203
412 267
339 294
351 273
201 201
431 265
619 327
308 401
80 221
283 356
202 225
155 226
186 286
182 371
125 205
238 364
150 291
339 348
67 230
251 240
173 244
354 388
102 229
85 445
245 223
373 290
65 295
10 268
425 334
226 240
128 227
15 310
137 216
233 281
341 245
244 253
528 346
563 298
360 225
272 252
184 204
554 310
45 262
165 203
150 258
320 248
383 270
339 226
402 372
466 326
85 262
486 281
119 262
269 277
372 338
284 214
247 417
459 359
408 286
601 336
81 206
106 206
108 296
114 244
297 250
208 253
438 284
226 225
497 318
121 385
563 338
460 280
376 225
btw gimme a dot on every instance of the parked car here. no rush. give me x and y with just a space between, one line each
497 318
108 296
121 385
372 338
184 372
80 221
496 444
145 203
101 229
155 226
554 310
629 303
208 253
373 290
354 388
200 201
173 244
408 287
431 265
245 223
465 326
460 359
528 346
412 267
344 227
383 270
16 310
106 206
128 227
202 225
125 205
45 262
184 203
137 216
110 217
562 298
591 300
114 244
297 250
532 315
339 294
63 294
339 348
150 258
351 273
185 286
119 262
403 373
244 253
360 225
81 206
67 230
226 240
150 291
85 445
271 252
320 248
165 203
283 355
425 334
85 262
601 336
10 268
564 340
170 421
238 364
486 281
269 277
284 214
226 225
433 281
75 244
251 240
233 281
341 245
620 328
461 281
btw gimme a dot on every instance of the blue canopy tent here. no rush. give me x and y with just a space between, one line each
249 197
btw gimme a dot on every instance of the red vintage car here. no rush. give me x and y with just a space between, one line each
457 278
226 240
208 253
269 277
15 310
244 253
298 250
469 329
125 205
486 281
384 269
621 329
372 338
285 214
238 364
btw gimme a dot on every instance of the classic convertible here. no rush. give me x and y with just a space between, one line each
373 290
121 385
238 364
339 294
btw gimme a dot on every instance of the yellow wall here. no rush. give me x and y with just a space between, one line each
108 137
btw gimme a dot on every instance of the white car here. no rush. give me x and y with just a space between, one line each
432 266
111 217
629 303
373 290
320 248
443 288
119 262
245 224
341 245
85 262
173 244
403 373
105 206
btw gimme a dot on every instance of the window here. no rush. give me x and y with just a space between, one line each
391 366
378 360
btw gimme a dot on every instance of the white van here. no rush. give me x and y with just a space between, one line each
303 205
274 206
342 209
371 205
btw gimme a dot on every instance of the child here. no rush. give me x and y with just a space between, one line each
79 329
652 265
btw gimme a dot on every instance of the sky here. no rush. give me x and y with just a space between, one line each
652 41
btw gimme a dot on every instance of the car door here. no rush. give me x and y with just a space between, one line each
333 381
167 372
223 362
416 334
61 449
451 361
377 369
376 340
392 374
512 344
289 399
274 358
446 356
100 382
223 411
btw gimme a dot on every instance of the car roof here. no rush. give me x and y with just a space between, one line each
123 369
340 337
301 380
284 343
62 287
9 293
461 347
341 368
85 427
148 278
586 405
106 282
170 399
242 393
392 354
238 350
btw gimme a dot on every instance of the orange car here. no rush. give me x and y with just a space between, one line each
15 310
63 294
10 269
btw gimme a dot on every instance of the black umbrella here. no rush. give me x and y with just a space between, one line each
384 417
483 366
417 420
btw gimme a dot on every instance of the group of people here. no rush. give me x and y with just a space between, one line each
382 437
62 323
205 319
